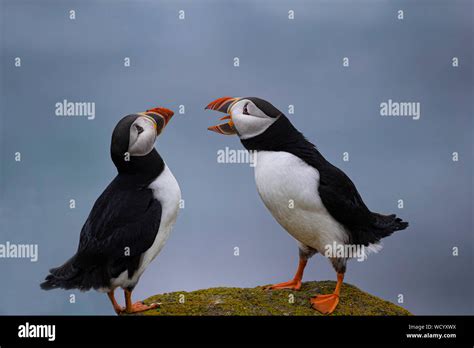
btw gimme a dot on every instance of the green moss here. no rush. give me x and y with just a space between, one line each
256 301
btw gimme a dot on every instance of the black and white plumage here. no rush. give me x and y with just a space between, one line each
336 191
325 208
131 220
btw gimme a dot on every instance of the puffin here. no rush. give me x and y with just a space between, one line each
131 220
313 200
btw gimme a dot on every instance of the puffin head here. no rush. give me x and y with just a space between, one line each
134 135
248 117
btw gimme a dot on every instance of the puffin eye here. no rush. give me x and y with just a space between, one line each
139 128
245 110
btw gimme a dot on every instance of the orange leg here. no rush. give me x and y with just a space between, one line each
137 306
295 283
117 308
326 304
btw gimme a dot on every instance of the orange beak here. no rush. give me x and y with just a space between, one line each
161 117
223 105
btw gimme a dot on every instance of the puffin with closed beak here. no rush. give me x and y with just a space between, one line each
131 220
314 201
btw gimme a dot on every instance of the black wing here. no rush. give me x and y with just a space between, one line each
342 200
122 220
122 225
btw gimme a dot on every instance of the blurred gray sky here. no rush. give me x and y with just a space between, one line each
190 62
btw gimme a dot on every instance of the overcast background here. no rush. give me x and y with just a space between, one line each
190 62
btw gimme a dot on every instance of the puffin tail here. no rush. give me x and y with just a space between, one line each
64 276
385 225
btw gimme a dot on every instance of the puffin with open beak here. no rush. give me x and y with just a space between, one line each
314 201
131 220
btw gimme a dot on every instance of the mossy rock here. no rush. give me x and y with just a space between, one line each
257 301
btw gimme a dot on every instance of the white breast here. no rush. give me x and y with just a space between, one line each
166 190
289 189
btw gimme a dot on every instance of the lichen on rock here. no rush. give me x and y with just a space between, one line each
260 302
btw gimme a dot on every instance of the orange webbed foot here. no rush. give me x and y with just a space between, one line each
326 304
140 307
292 285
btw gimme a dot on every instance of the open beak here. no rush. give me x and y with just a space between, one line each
223 105
160 116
